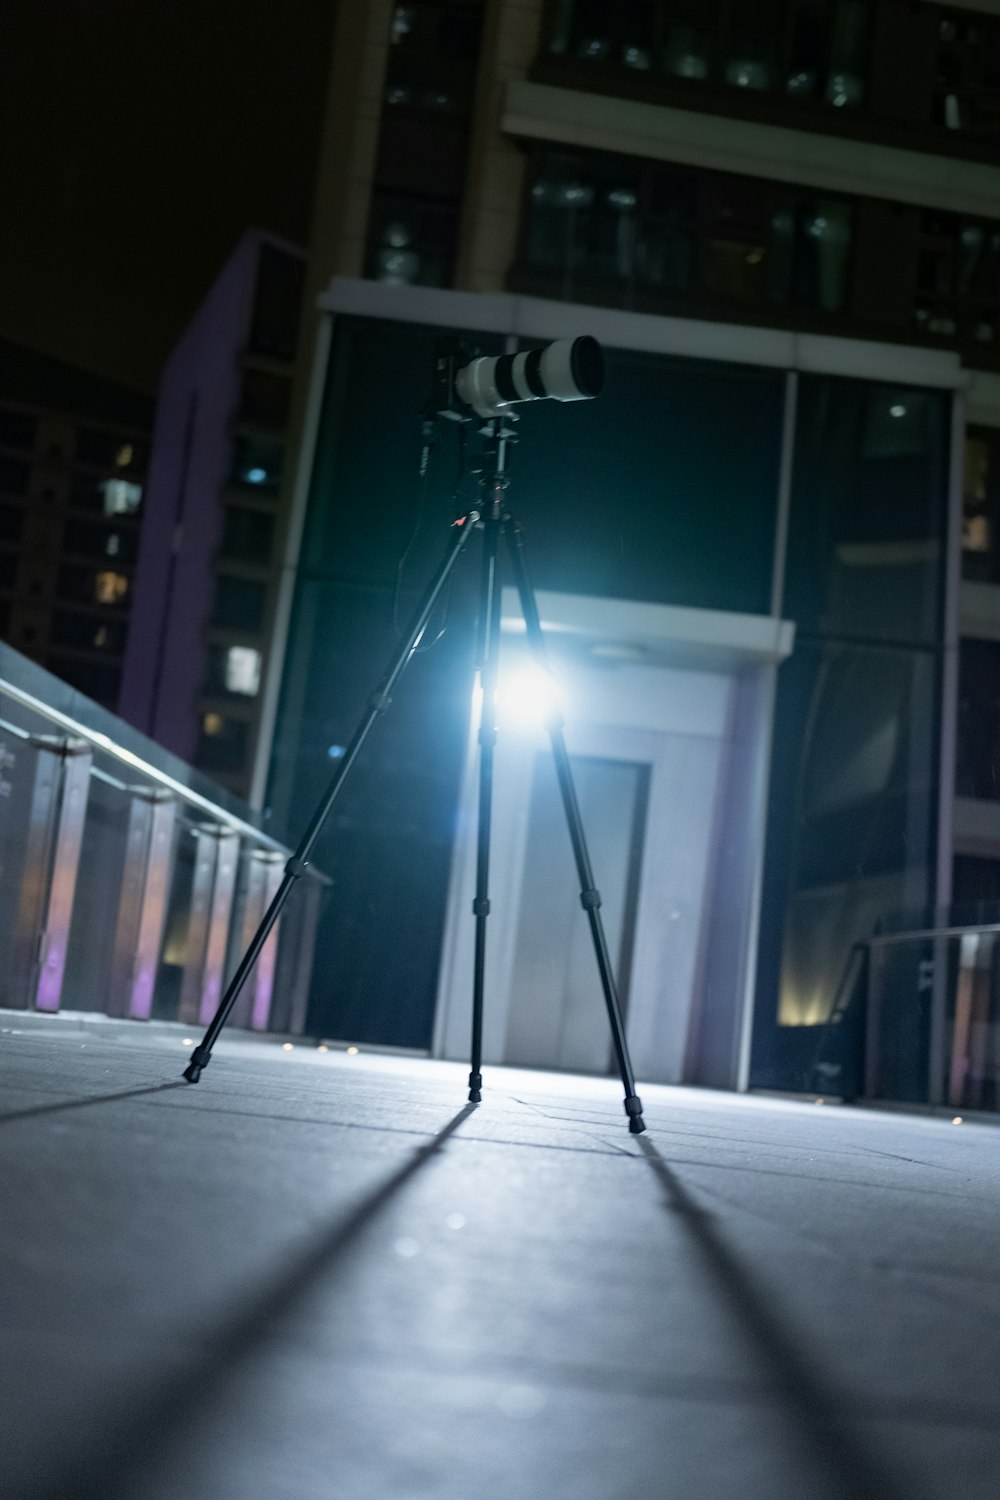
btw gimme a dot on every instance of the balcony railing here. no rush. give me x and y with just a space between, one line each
129 883
916 1020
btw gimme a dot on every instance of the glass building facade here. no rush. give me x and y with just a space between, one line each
667 490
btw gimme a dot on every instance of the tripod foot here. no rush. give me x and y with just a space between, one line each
475 1088
200 1059
633 1108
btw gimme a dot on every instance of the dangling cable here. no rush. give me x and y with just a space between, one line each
460 477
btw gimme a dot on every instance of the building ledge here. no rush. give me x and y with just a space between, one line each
602 122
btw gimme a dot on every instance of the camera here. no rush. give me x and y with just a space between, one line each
566 370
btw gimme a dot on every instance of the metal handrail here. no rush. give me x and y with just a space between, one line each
145 768
883 938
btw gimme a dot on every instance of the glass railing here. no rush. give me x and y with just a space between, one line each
130 884
932 1022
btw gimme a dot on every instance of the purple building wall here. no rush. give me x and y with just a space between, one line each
166 656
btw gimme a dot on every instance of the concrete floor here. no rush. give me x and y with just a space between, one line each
321 1276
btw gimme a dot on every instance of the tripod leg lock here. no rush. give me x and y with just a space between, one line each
633 1108
296 868
475 1088
481 908
590 900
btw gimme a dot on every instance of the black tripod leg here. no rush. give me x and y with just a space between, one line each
296 866
489 646
589 895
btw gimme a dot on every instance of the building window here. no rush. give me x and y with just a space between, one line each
803 49
120 497
87 539
96 447
17 430
222 743
411 240
638 228
109 587
248 535
236 670
13 476
978 739
958 279
92 586
981 505
967 73
87 633
432 53
257 462
239 603
11 520
96 679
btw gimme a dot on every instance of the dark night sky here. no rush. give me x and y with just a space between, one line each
138 138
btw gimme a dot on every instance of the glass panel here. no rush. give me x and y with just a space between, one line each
239 602
257 462
978 750
981 505
411 240
864 550
248 535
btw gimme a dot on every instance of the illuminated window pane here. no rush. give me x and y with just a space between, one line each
243 670
110 588
120 497
257 462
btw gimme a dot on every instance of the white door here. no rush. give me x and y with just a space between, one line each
648 799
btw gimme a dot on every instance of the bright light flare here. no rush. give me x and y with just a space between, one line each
527 697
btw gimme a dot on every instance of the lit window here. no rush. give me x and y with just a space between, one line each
113 544
212 724
101 636
110 588
124 456
242 670
255 476
120 497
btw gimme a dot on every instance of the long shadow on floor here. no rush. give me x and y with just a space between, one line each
814 1408
54 1109
127 1446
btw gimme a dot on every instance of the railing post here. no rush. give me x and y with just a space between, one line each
216 857
873 1016
142 906
263 871
295 961
56 817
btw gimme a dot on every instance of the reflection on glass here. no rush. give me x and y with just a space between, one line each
687 52
977 771
981 506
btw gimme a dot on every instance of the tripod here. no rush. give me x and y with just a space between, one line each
495 522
